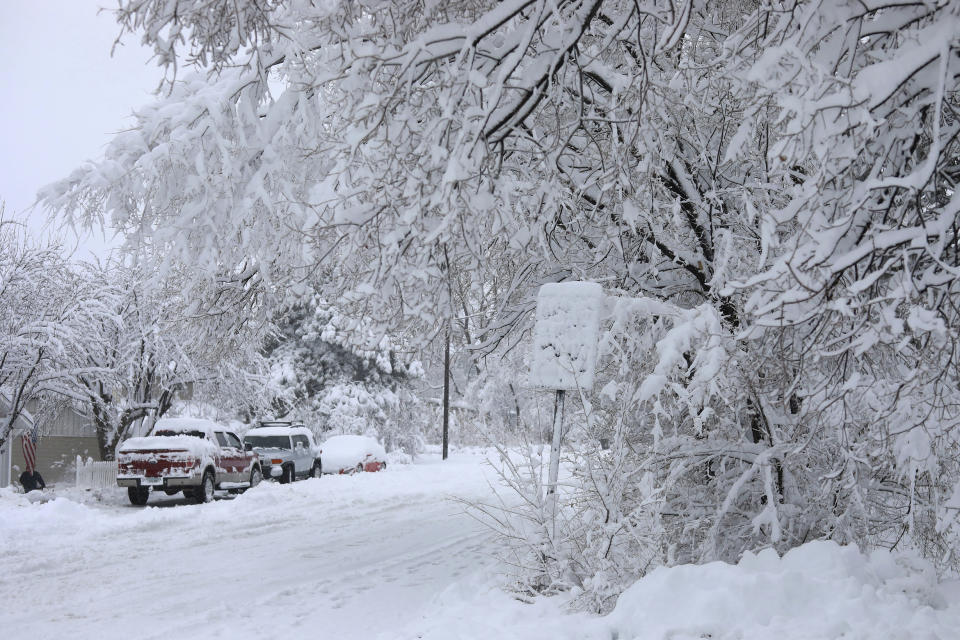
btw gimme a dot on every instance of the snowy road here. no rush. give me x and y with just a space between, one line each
355 556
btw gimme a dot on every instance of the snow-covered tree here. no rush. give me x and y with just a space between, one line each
779 176
155 346
45 310
336 375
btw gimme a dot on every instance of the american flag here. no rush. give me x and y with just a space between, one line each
29 444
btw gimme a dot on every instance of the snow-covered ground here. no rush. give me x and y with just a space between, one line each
343 555
388 555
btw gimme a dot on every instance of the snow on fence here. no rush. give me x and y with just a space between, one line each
96 475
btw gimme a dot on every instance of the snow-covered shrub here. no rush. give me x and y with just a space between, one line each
699 445
662 374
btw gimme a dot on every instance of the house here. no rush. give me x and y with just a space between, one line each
63 436
23 424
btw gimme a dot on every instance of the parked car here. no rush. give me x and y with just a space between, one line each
353 454
186 454
287 451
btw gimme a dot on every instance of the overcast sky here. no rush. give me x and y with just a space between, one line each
62 94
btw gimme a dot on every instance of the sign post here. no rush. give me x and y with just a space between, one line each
564 357
554 471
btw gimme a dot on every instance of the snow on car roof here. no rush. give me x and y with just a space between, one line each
353 442
279 431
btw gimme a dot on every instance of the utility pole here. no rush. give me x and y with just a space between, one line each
446 397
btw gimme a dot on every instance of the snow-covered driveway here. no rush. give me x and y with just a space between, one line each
341 556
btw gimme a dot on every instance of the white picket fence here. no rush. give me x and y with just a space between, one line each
96 475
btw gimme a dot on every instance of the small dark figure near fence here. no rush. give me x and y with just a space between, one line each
31 480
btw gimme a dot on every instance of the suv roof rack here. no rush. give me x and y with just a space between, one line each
280 423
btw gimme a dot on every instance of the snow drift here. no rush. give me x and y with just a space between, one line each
819 590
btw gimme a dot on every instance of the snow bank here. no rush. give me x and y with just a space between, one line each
820 590
398 456
10 497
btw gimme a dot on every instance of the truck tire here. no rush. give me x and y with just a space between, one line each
289 474
204 493
138 495
256 477
317 470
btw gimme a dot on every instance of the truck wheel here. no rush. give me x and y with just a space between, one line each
204 493
289 475
383 466
256 476
359 467
138 495
317 470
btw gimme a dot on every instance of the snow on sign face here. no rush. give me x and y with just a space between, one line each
565 336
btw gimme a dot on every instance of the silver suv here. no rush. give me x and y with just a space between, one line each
287 451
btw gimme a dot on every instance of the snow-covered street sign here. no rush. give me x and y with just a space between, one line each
565 335
564 357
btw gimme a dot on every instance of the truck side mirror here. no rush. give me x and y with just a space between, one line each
248 446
